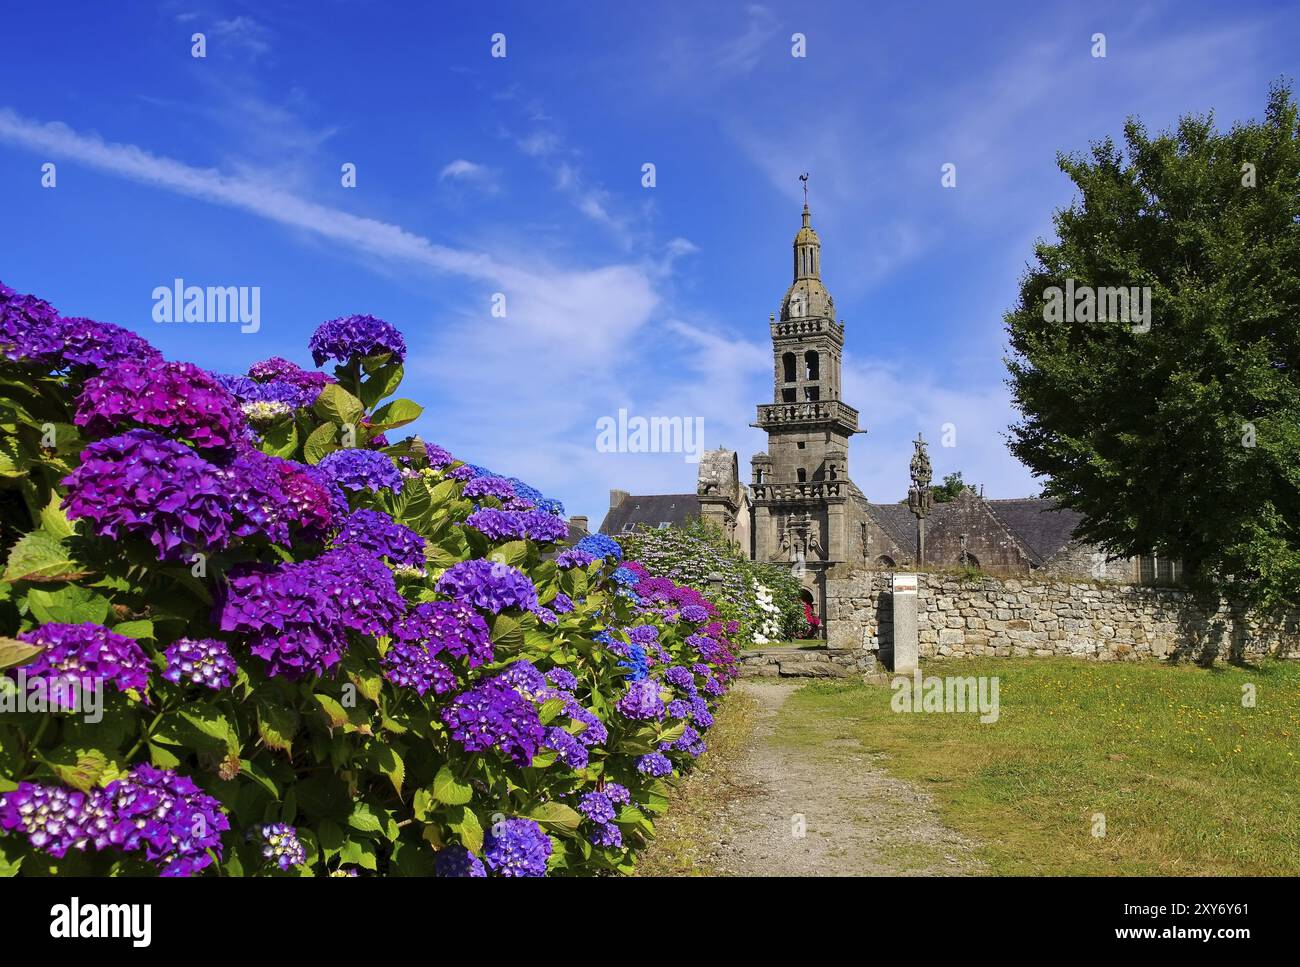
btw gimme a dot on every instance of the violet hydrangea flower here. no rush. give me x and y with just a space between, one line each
410 665
354 469
457 861
495 715
166 815
202 661
281 844
497 487
641 700
142 484
101 344
31 331
78 657
654 764
378 533
489 585
178 399
517 847
53 819
352 337
451 626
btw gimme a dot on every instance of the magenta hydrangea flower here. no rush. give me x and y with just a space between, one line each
450 626
178 399
517 847
202 661
356 337
355 469
274 497
378 533
296 615
457 861
489 585
494 715
277 369
80 656
140 484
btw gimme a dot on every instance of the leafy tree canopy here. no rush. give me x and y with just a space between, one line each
1178 432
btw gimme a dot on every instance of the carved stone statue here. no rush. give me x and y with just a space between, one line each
920 498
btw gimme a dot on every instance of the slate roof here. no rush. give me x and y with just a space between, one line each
1039 522
651 510
898 522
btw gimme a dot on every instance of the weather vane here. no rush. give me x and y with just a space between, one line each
804 178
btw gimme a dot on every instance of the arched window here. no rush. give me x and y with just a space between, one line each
789 366
885 562
811 364
802 474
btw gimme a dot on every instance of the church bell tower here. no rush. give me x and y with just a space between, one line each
801 484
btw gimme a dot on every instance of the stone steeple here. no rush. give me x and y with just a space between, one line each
801 485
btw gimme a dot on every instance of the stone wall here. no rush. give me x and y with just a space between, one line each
1042 616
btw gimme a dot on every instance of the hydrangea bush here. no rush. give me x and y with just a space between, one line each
243 633
695 552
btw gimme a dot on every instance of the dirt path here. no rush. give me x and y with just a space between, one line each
857 820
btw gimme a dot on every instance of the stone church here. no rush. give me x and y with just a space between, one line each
802 507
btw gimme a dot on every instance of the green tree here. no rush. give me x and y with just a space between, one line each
1178 433
948 490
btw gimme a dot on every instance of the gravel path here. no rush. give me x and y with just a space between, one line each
857 820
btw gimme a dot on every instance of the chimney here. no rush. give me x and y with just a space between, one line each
579 524
616 497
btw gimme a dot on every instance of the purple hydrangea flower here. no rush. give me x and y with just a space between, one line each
296 615
78 657
250 392
101 344
712 686
356 469
450 626
517 847
456 860
280 370
356 337
679 708
178 399
608 836
202 661
700 714
378 533
561 603
437 456
654 764
681 678
166 815
53 819
524 678
142 484
596 807
489 585
570 751
643 634
463 472
272 496
411 666
497 487
494 715
31 331
617 794
572 558
641 700
695 613
595 732
282 845
562 678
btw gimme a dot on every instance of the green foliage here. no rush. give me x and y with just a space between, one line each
952 486
694 553
1183 439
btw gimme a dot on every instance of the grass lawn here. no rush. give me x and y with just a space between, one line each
1189 780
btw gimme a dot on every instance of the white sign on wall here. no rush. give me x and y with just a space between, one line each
904 583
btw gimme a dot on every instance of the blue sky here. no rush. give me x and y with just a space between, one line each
522 175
